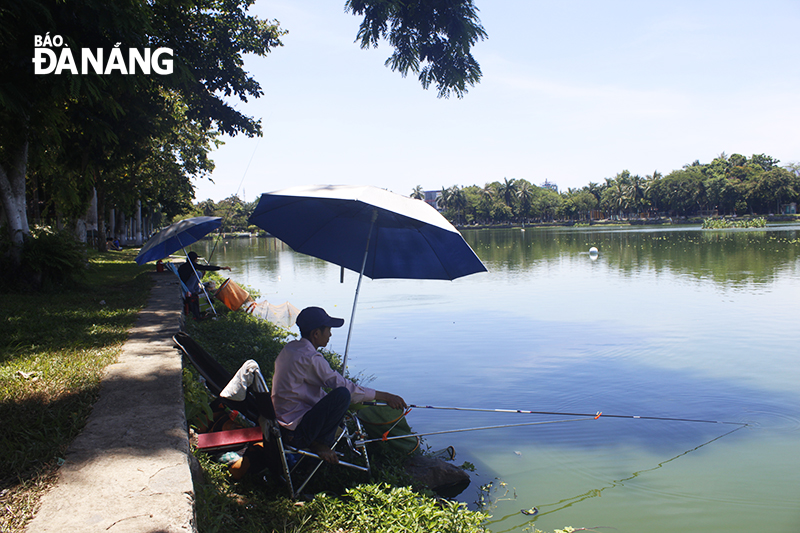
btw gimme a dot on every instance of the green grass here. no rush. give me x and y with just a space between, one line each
54 347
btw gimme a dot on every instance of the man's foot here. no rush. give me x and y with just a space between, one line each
324 452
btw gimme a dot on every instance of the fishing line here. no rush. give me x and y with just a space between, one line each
461 430
549 508
219 235
554 413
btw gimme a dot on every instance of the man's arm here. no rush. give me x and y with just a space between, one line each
392 400
210 268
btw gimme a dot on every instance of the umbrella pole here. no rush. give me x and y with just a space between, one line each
358 288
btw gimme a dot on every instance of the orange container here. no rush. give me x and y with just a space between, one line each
232 295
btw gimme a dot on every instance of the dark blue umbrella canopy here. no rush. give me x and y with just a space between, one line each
368 230
176 236
408 240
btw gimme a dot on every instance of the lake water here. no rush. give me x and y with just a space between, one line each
665 322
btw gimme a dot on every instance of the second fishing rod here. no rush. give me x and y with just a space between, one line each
561 413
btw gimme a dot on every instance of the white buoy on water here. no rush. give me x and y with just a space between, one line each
593 252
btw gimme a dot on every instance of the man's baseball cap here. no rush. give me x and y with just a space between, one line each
312 318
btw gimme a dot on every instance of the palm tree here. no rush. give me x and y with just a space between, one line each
458 202
488 192
622 183
487 195
207 207
595 189
635 192
508 191
418 193
443 201
614 196
525 194
651 185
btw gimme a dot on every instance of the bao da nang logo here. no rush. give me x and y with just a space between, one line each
50 56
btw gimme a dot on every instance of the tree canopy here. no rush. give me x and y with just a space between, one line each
431 38
143 137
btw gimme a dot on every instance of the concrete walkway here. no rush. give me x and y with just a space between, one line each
128 471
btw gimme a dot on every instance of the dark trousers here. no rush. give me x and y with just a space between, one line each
193 304
320 422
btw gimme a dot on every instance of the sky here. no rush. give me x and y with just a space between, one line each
573 92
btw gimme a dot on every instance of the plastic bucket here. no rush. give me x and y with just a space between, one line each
232 295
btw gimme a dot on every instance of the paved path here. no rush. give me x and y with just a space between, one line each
128 470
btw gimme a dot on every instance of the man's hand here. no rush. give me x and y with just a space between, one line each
392 400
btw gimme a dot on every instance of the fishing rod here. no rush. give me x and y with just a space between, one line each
554 413
386 437
236 194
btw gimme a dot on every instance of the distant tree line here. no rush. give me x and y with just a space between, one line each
728 185
233 210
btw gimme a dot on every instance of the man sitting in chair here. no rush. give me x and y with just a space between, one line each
309 417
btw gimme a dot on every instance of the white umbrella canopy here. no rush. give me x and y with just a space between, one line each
368 230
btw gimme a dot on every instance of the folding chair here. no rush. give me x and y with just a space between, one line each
255 403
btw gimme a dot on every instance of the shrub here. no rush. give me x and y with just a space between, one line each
369 508
48 260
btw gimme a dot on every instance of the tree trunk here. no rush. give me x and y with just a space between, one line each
102 245
12 190
137 231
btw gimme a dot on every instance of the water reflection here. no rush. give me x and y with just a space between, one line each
724 256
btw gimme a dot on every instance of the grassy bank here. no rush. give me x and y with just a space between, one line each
54 347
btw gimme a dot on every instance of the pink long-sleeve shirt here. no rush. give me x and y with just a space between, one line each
300 374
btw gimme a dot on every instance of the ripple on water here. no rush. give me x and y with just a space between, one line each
771 421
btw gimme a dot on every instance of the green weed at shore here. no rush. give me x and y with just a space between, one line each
726 223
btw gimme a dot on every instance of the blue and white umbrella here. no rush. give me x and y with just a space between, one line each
176 236
368 230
